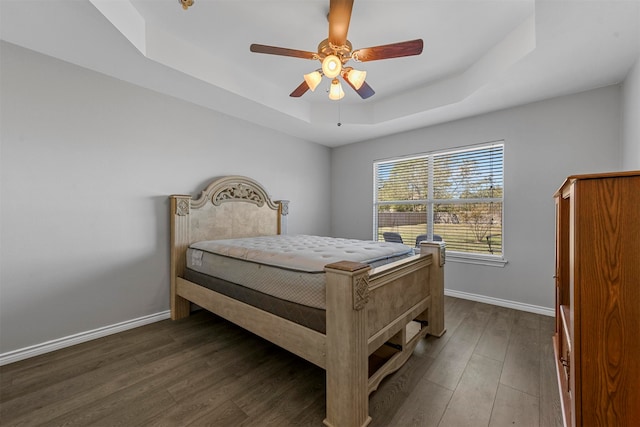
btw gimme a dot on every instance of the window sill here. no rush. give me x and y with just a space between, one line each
490 260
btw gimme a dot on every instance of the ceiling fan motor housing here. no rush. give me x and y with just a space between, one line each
343 52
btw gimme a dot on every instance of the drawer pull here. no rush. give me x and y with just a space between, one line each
566 363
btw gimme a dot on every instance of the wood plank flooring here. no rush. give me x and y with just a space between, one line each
493 367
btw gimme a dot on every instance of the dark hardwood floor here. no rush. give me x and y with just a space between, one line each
493 367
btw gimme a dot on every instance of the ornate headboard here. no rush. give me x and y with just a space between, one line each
230 207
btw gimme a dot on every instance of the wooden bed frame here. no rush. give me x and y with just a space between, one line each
374 317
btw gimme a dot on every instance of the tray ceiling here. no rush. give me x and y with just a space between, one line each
478 56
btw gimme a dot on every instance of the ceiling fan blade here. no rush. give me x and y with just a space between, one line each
393 50
273 50
300 90
365 90
339 17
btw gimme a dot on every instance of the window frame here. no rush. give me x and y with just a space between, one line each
430 201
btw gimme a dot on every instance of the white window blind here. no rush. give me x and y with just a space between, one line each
456 196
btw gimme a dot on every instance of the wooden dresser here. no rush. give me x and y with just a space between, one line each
597 337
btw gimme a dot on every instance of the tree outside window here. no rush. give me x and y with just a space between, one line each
456 195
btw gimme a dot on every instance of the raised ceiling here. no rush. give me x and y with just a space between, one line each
478 56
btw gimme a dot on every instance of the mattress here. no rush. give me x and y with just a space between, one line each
287 267
311 317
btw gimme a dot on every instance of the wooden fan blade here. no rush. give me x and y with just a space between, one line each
365 90
393 50
339 17
300 90
273 50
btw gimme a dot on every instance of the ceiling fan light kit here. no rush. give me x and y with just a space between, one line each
331 66
355 77
313 79
335 51
335 91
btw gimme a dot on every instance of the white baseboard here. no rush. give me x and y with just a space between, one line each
46 347
545 311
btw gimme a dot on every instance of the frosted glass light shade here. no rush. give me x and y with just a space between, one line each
336 92
331 66
356 78
313 80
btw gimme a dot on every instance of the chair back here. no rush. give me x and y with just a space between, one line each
390 236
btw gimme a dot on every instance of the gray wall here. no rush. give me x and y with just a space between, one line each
87 164
544 142
631 119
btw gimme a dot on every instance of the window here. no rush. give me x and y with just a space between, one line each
454 195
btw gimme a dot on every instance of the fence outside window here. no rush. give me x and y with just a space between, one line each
456 195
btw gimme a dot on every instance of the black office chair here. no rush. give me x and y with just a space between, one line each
420 238
390 236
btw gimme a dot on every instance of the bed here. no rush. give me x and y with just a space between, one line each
373 316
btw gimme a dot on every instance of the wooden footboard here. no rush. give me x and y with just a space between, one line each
374 317
386 310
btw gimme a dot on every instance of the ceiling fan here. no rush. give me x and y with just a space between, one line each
335 51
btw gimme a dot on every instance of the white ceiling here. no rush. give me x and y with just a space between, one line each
479 55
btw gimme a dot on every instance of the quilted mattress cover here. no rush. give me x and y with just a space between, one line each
287 267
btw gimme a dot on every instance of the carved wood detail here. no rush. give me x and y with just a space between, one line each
234 189
361 292
284 207
237 192
182 207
